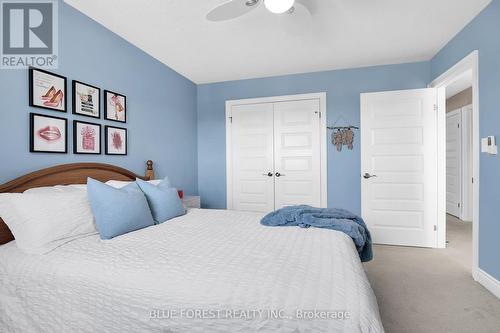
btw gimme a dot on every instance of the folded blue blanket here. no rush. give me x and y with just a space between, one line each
327 218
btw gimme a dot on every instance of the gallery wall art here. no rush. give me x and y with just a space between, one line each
48 134
86 100
86 138
116 140
115 106
47 90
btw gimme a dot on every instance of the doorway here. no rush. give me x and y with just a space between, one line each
459 149
460 187
459 169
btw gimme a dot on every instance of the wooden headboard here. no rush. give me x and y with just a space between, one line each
66 174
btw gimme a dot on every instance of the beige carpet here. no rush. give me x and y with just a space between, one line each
432 290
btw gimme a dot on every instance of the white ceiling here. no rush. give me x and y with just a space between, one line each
342 34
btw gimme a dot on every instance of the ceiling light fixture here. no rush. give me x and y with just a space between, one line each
279 6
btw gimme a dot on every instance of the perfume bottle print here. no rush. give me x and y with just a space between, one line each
88 138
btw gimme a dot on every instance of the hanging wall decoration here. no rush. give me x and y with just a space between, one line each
48 134
115 106
47 90
116 140
86 138
86 100
343 135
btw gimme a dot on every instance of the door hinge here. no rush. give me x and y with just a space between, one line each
472 180
459 205
231 119
435 228
318 113
435 107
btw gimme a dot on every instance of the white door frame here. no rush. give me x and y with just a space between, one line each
469 63
286 98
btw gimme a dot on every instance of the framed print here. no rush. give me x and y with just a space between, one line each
47 90
48 134
115 106
116 140
86 138
86 100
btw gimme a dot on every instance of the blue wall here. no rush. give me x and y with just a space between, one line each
482 34
161 105
343 88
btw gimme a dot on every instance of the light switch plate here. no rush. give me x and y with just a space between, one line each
488 145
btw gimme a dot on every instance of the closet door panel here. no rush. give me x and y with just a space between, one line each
252 153
297 153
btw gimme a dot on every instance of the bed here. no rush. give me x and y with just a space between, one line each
207 271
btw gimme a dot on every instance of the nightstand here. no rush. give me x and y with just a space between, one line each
191 201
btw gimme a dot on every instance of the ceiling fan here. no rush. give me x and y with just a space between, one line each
236 8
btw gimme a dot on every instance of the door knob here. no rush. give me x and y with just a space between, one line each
269 174
278 174
368 176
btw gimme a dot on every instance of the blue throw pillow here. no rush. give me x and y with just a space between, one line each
118 211
163 200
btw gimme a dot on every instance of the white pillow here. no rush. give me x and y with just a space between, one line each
58 188
44 220
121 183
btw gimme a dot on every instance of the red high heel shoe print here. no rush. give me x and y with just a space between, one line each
49 94
56 100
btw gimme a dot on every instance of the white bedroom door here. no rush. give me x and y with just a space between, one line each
453 162
399 166
252 157
297 153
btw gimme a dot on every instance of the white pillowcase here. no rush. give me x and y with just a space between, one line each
121 184
44 219
58 188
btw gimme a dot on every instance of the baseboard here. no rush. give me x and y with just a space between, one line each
489 282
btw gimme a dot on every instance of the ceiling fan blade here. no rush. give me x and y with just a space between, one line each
311 5
232 9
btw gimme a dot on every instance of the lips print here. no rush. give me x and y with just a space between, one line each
49 133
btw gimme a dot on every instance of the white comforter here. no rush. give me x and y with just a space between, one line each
246 278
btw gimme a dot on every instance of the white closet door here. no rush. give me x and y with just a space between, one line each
453 162
252 157
297 153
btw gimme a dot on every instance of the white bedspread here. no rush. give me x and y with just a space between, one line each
247 278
